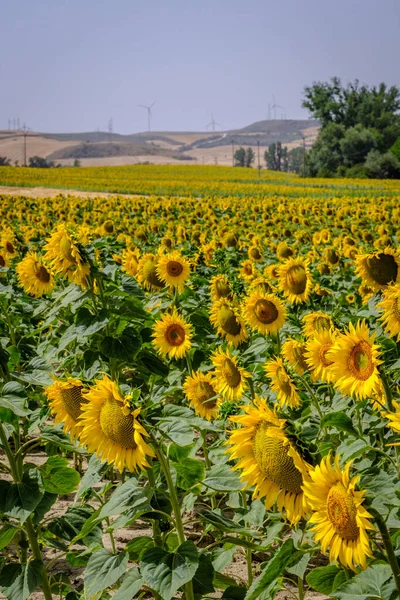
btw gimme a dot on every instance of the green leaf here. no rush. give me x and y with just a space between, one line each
223 582
94 474
57 477
300 565
103 570
13 397
222 479
166 572
178 430
203 578
326 579
88 324
125 347
70 526
138 545
56 436
22 498
189 471
128 495
234 592
340 421
7 533
222 557
225 524
375 582
36 377
274 569
132 583
352 448
17 582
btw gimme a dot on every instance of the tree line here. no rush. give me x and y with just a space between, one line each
276 157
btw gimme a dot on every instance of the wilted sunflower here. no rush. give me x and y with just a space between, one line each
379 269
316 322
295 280
316 358
228 322
294 352
130 261
200 391
340 522
34 276
65 256
230 378
268 460
390 307
220 288
172 335
110 427
281 383
66 402
355 361
174 270
264 312
147 272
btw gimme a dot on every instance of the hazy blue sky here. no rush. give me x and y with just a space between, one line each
70 65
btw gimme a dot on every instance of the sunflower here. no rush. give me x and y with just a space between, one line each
174 270
65 256
247 270
254 254
316 350
220 288
172 335
390 307
295 280
8 247
200 391
130 261
294 352
230 378
264 312
34 276
147 273
262 285
272 271
316 322
268 460
394 418
3 260
282 383
355 361
66 401
228 322
110 427
379 269
340 522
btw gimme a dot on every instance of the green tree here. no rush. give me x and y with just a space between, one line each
240 157
356 144
250 156
382 166
4 161
77 162
395 149
274 156
296 160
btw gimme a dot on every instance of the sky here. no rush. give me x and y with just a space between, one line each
72 65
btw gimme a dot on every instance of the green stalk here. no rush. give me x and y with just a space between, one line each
175 505
300 587
208 466
394 565
249 553
387 390
156 526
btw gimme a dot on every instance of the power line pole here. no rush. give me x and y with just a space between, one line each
25 130
259 164
304 155
110 129
233 152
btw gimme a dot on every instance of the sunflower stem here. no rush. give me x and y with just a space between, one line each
249 554
164 464
394 565
208 466
155 524
300 587
189 364
387 390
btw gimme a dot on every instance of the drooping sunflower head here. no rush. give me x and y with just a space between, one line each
230 378
355 361
130 261
220 288
316 350
64 254
294 352
228 322
173 269
147 272
172 335
282 383
379 269
66 401
394 418
340 522
295 280
283 251
34 276
332 256
389 306
111 429
272 271
316 322
202 395
254 253
268 460
264 312
262 285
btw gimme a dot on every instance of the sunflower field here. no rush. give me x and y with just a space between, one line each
199 387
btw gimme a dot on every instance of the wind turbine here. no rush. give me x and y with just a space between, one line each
149 113
213 123
275 106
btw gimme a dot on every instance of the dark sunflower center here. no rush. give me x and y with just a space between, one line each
150 274
299 357
231 373
248 269
322 355
10 248
283 380
333 257
119 428
222 288
174 268
227 320
297 279
206 394
321 323
42 273
272 458
266 311
382 268
255 253
66 249
72 399
2 261
175 335
108 226
342 512
396 308
360 361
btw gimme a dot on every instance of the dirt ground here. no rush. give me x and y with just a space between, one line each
44 192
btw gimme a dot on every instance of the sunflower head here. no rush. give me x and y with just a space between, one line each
316 322
389 307
66 401
228 322
264 312
281 383
220 288
295 280
202 395
172 335
230 378
294 352
34 276
316 354
147 274
173 269
130 261
379 269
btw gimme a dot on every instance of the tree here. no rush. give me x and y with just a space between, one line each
296 160
382 166
38 162
274 156
77 162
4 161
395 149
356 144
240 157
250 156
